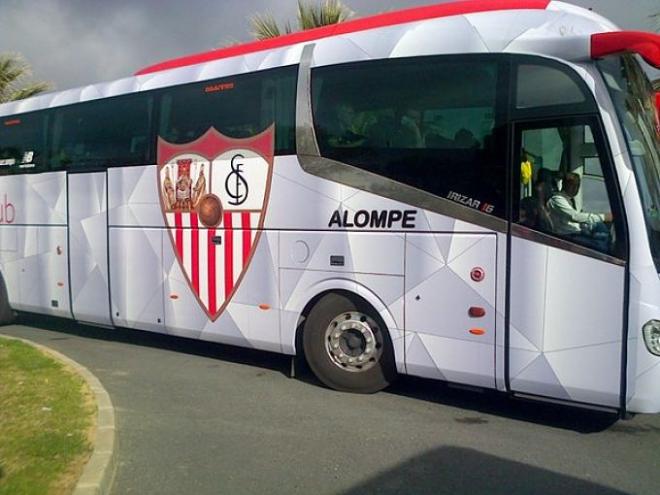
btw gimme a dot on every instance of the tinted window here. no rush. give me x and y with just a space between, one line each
23 143
542 86
563 191
432 123
239 107
102 133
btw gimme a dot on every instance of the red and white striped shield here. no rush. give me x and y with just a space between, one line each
214 194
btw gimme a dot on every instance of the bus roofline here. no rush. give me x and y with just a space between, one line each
647 45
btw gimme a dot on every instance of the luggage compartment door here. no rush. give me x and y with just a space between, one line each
88 247
450 307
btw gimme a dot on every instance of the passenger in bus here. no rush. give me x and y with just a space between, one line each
546 183
534 193
409 133
380 132
464 139
544 187
567 221
435 136
529 212
341 130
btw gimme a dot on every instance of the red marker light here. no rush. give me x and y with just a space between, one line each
12 122
477 274
476 312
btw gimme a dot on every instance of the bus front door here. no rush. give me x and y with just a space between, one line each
566 278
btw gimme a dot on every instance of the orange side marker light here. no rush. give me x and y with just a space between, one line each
264 307
477 331
174 296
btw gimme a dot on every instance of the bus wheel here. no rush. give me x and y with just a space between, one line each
347 345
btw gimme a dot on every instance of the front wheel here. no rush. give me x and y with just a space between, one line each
347 345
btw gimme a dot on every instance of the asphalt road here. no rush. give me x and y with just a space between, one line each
198 418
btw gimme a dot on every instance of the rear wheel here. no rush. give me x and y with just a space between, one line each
347 345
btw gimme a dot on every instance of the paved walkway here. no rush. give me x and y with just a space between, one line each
200 418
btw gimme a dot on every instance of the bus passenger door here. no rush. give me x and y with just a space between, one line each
88 247
450 307
566 265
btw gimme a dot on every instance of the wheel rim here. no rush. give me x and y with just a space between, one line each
354 341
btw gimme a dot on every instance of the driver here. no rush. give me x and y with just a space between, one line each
568 221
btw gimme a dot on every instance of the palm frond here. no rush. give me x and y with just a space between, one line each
656 19
14 79
329 12
28 90
265 26
12 68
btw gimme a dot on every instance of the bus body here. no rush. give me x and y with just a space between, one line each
385 195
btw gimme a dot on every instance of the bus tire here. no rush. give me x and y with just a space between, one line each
7 315
348 346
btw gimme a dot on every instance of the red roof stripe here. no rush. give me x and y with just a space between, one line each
362 24
645 44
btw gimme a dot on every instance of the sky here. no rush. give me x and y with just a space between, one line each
76 42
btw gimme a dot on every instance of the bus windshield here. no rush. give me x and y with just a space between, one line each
634 98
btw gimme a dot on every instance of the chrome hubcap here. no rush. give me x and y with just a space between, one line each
354 341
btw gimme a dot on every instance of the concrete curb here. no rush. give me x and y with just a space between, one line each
98 474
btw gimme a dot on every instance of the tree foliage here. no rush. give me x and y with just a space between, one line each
656 21
309 16
14 79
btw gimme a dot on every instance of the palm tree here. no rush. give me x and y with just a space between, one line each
656 20
14 83
309 16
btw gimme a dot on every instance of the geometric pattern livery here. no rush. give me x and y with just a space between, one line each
439 291
146 267
565 324
214 195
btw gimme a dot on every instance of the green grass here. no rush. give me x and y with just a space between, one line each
46 413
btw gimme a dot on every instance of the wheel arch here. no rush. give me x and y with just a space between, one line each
300 306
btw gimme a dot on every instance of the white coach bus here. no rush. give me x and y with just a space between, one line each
467 192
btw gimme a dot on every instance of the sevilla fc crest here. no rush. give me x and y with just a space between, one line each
214 194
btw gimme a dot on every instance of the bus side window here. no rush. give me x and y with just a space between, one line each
562 189
23 143
543 86
110 132
238 107
433 123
